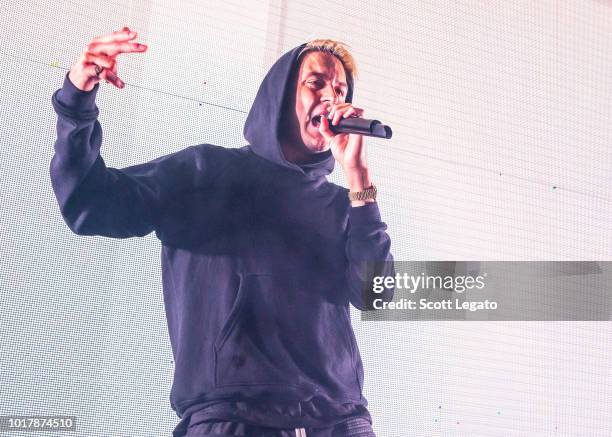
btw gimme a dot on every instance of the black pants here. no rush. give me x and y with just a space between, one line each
353 427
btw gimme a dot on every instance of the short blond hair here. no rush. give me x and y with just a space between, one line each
336 48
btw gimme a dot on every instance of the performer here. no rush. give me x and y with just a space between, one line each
261 254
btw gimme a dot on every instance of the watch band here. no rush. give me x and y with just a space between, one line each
368 193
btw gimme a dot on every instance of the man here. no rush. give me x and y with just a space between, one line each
261 255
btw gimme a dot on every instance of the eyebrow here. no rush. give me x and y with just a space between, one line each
317 74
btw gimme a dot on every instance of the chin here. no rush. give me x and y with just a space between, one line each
318 148
317 145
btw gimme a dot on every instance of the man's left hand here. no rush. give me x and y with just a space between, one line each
348 149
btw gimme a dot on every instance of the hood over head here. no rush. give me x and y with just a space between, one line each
262 125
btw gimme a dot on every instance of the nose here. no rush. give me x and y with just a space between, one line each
329 95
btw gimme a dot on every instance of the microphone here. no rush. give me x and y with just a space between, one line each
358 125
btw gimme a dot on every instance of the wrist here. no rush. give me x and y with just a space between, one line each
355 203
71 96
358 178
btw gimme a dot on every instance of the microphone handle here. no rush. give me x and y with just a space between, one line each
362 126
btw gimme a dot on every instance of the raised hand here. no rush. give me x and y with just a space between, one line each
348 149
101 53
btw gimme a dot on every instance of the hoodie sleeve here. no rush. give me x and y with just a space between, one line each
368 252
98 200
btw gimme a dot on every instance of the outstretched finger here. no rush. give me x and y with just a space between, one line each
124 34
114 48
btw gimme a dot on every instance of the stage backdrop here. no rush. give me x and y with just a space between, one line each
501 114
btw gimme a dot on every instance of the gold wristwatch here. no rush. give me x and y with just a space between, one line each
368 193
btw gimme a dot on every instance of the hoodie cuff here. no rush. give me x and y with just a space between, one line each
75 99
365 214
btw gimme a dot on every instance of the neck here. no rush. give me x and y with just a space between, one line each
295 155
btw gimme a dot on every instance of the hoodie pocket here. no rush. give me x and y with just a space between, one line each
246 346
281 333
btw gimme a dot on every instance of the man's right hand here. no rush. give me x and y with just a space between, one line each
103 51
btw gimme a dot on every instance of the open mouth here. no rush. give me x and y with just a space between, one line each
316 120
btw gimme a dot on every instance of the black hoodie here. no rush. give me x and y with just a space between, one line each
260 259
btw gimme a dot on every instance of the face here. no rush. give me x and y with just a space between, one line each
320 83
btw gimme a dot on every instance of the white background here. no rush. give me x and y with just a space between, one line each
492 104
